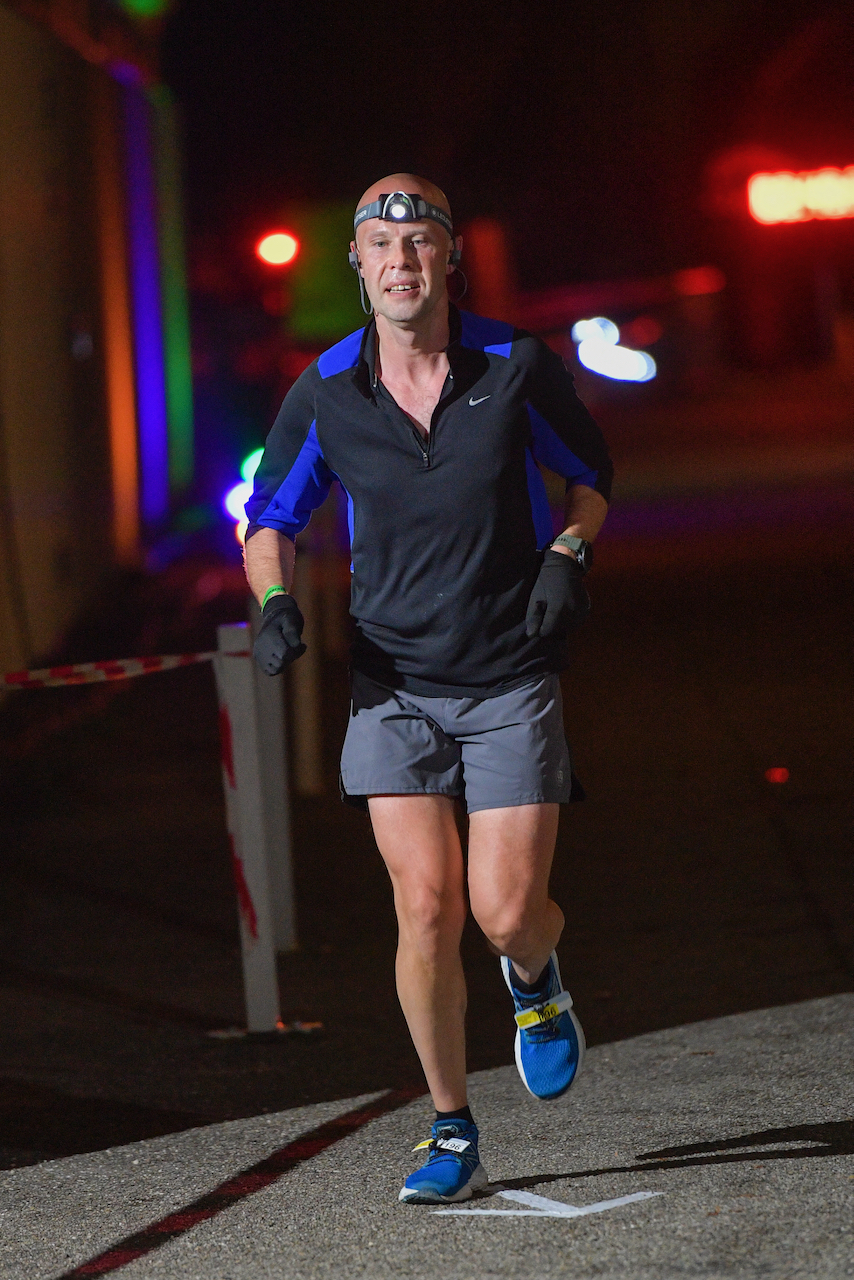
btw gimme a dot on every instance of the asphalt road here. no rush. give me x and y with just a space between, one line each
737 1133
694 889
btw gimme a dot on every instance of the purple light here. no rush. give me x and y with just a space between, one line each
145 290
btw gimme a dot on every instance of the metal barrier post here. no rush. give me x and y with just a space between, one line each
243 751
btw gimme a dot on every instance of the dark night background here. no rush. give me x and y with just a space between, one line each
589 128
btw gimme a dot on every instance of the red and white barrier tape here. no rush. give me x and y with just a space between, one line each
117 669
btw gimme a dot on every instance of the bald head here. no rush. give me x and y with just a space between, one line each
411 184
404 260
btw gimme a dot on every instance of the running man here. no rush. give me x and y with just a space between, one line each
433 421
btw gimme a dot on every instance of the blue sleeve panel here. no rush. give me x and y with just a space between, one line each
551 451
303 489
350 513
344 355
293 478
480 334
564 437
540 509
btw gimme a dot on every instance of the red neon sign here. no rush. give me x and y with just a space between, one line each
800 197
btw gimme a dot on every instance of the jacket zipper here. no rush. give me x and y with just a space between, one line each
425 456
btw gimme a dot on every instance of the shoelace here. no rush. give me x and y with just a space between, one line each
538 1019
546 1030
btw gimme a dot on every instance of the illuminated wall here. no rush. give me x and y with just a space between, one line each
161 331
96 432
55 504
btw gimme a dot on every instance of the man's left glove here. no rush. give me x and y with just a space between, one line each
559 600
278 643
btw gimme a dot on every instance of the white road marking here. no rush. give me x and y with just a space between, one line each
541 1207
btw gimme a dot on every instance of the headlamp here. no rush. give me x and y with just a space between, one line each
400 207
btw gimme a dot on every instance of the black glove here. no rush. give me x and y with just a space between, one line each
278 643
559 600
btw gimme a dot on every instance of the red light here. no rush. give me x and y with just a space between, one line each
278 248
776 775
800 197
696 281
643 331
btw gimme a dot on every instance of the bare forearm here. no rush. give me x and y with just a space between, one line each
584 512
268 558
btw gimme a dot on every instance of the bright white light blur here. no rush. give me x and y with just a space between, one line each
598 351
398 210
612 361
799 197
240 530
250 464
236 499
598 329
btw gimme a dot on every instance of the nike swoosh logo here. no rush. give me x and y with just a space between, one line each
473 402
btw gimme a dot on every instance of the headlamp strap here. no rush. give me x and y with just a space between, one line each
400 207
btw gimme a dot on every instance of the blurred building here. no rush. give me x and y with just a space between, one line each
95 391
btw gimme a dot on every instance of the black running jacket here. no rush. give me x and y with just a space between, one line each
446 533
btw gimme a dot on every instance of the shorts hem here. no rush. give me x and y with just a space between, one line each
400 791
534 798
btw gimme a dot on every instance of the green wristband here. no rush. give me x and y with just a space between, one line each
277 590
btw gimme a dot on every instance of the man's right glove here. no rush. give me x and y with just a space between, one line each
559 600
278 643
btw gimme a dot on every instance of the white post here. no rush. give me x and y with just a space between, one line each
242 772
270 702
305 676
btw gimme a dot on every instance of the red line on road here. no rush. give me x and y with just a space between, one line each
243 1184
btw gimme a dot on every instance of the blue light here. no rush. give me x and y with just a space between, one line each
145 294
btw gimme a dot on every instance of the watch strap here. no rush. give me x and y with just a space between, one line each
582 550
567 540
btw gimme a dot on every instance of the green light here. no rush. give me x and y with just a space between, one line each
323 289
250 465
145 8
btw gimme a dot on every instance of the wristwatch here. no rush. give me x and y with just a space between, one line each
582 550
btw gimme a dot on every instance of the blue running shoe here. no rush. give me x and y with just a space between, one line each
453 1169
549 1040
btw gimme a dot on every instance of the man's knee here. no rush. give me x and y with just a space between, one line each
508 929
513 928
428 916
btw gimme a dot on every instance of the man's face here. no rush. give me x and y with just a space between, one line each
405 267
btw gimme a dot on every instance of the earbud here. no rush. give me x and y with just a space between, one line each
353 259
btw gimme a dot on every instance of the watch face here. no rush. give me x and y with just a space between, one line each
585 556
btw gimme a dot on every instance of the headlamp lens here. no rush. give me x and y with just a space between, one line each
398 207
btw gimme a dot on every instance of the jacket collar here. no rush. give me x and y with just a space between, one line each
365 376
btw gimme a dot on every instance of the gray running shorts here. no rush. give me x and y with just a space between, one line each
498 752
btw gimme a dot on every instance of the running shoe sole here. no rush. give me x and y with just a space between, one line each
477 1180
